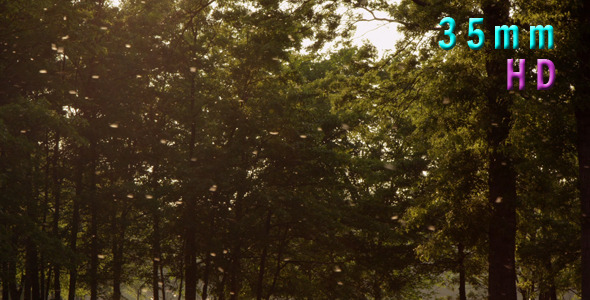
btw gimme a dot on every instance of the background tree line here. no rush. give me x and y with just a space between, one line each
202 149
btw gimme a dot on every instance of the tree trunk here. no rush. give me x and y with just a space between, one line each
56 213
156 255
118 239
75 226
206 274
190 250
502 177
461 255
93 271
582 111
583 126
261 269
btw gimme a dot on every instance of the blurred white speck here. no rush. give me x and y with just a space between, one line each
95 76
274 133
193 69
431 228
213 188
337 269
499 200
43 71
114 125
130 196
65 37
303 136
148 196
127 45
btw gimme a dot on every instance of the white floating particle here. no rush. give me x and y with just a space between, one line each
95 76
274 133
148 196
319 128
23 131
337 269
340 283
193 69
156 259
103 28
213 188
127 45
100 256
137 76
65 18
220 269
431 228
303 136
53 47
43 71
130 196
65 37
60 49
212 254
394 218
291 38
72 92
163 141
114 125
499 200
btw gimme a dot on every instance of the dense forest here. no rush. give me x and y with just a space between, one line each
219 149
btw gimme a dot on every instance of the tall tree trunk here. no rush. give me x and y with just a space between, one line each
261 268
208 258
5 280
190 248
583 126
56 213
93 271
31 256
75 226
206 273
162 279
461 256
156 255
117 249
502 177
582 111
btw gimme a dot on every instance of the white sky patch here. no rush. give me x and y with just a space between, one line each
381 34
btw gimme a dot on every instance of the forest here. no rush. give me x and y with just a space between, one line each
225 149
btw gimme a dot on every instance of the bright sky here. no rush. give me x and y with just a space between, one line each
383 35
